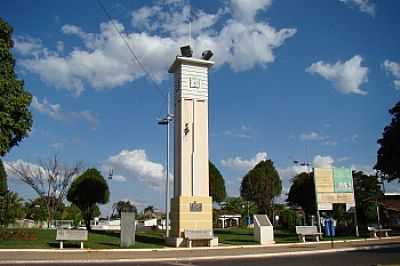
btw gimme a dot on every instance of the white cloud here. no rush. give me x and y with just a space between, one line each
311 136
246 10
315 136
320 161
44 107
365 6
367 169
55 111
60 46
26 45
292 171
21 164
103 61
347 77
238 163
135 164
393 68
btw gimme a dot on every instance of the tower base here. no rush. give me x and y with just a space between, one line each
191 213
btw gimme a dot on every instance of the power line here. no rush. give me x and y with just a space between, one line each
141 65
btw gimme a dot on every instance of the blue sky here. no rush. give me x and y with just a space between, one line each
293 80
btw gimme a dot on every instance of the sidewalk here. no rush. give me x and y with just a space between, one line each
175 254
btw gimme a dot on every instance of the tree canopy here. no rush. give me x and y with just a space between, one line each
3 179
366 191
302 193
50 181
238 205
86 191
261 184
148 212
388 155
123 206
11 207
15 117
216 184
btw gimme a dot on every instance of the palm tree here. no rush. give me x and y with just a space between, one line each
11 207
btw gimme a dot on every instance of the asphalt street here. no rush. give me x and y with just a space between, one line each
386 256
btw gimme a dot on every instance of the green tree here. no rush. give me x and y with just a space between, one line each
123 206
15 117
261 185
73 213
302 193
86 191
366 191
388 155
238 205
148 212
3 179
216 184
11 207
50 180
36 210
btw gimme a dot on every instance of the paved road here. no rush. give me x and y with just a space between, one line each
387 256
75 256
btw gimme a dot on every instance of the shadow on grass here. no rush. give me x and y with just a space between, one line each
150 239
69 244
233 232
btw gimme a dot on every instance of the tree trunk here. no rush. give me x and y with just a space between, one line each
87 219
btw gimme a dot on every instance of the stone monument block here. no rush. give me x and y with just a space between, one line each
128 229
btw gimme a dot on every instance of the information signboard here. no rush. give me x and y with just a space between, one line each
334 185
343 180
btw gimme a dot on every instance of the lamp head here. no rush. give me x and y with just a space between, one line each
186 51
207 54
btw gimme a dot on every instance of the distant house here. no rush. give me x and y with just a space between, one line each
228 220
391 209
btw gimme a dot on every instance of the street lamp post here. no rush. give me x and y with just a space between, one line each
165 121
248 212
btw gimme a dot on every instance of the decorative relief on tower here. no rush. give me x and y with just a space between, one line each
194 83
196 207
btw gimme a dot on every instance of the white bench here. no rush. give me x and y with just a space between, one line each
191 235
71 235
375 232
304 231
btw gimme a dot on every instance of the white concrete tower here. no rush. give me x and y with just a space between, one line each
191 207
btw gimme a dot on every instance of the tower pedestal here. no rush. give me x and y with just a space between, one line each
190 213
191 207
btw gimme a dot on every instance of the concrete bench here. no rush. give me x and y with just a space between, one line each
378 232
304 231
71 235
191 235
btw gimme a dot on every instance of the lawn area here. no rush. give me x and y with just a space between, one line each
235 236
43 238
244 236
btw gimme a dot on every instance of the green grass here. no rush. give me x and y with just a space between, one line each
96 240
235 236
244 236
144 239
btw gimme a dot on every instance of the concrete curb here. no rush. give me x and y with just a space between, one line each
248 256
200 248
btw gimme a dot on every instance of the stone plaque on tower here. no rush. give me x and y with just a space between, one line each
191 206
